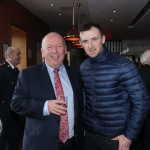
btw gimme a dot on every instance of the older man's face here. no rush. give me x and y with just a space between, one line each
53 50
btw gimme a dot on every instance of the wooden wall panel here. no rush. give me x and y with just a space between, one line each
13 13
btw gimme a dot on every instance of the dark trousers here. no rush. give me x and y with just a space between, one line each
9 135
98 142
69 145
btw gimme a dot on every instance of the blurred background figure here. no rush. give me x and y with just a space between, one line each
138 65
9 119
143 140
145 69
145 74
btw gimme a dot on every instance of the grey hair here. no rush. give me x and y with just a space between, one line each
51 33
145 57
8 50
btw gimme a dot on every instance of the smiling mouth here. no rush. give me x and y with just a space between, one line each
92 51
55 57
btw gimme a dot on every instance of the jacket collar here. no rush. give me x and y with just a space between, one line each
8 64
102 56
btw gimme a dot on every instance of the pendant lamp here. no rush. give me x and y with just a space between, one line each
73 33
77 44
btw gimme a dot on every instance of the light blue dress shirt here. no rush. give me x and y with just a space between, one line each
68 92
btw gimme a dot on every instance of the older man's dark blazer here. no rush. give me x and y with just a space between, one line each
34 87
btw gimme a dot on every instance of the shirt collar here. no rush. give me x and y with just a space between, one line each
102 56
61 68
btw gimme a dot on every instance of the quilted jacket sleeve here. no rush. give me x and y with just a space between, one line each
140 102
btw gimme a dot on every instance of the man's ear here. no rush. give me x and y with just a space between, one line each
9 55
41 50
103 39
65 49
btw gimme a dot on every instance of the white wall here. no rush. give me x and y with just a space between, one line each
136 47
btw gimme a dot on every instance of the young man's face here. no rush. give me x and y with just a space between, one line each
92 41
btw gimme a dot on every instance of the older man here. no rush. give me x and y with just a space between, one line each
50 125
9 119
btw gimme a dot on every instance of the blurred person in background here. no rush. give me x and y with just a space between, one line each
143 140
9 119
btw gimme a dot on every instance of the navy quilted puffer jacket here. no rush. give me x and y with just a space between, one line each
116 98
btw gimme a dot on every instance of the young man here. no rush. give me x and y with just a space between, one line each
116 98
35 98
9 119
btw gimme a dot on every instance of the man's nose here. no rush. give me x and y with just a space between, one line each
90 44
54 49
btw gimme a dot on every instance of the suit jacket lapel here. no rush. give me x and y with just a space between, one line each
45 78
72 81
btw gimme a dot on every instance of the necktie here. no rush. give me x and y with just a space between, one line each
64 129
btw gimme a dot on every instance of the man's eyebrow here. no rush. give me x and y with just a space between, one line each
84 40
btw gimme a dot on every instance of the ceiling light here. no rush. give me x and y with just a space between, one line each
114 11
111 20
73 33
59 14
78 4
52 5
77 44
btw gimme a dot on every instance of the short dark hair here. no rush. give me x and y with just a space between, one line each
88 24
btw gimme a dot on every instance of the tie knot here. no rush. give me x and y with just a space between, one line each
56 70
